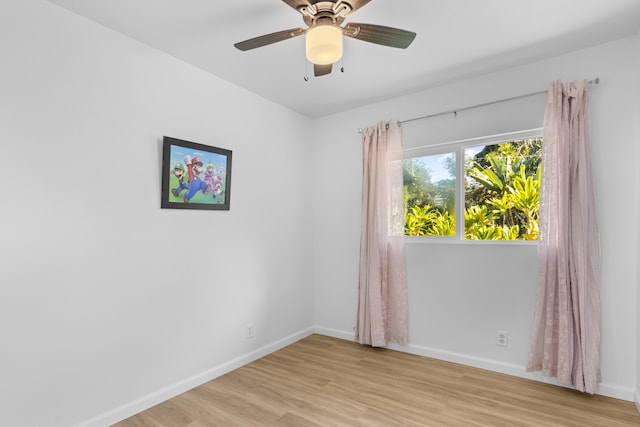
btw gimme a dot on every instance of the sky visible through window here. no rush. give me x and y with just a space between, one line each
436 164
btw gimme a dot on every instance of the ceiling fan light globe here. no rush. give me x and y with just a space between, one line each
324 44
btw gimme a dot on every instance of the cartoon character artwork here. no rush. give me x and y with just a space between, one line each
214 182
217 189
209 176
179 173
194 168
195 176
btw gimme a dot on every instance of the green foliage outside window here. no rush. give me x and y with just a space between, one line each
502 193
429 205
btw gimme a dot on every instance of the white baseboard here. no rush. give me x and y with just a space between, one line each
335 333
637 399
146 402
603 389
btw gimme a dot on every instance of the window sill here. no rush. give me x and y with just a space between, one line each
438 240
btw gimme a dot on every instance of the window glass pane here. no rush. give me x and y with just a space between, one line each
430 195
502 190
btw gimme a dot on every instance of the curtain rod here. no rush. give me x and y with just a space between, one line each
471 107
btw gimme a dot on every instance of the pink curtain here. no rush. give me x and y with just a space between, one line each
565 340
382 295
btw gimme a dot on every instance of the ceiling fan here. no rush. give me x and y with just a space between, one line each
324 35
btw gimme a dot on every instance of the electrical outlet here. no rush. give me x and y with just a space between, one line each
249 330
502 338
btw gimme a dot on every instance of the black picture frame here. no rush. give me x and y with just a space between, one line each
195 176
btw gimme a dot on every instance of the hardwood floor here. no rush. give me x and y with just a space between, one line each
321 381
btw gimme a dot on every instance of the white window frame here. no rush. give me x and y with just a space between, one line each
458 147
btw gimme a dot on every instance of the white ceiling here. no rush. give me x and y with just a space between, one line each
456 39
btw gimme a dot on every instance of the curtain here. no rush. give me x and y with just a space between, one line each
382 295
565 340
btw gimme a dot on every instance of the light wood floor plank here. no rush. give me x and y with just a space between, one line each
322 381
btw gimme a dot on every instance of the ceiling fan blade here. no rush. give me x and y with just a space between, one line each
378 34
269 39
356 4
321 70
296 4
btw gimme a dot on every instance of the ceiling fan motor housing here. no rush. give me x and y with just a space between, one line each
314 13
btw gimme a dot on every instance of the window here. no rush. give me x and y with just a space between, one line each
430 195
495 188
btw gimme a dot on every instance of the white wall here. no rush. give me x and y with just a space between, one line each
108 303
456 303
637 394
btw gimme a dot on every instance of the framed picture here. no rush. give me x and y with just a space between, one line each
195 176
